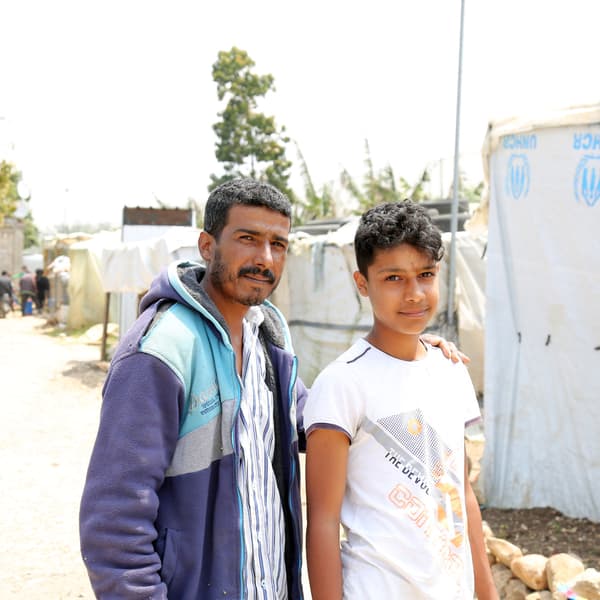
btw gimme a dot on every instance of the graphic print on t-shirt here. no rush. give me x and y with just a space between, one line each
428 493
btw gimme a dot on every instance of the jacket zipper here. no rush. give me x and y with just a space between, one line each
291 487
235 480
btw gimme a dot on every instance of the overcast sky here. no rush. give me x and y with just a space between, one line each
106 104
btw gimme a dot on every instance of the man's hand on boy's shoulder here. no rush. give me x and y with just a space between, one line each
449 349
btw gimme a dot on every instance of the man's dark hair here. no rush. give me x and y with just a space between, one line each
388 225
248 192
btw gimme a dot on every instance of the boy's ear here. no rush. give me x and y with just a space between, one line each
361 283
206 244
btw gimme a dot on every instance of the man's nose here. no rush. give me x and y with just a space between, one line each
264 254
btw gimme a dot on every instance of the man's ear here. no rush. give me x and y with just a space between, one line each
361 283
206 244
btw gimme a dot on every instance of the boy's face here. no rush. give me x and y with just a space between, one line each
403 288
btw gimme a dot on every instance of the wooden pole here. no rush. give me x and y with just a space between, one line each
105 328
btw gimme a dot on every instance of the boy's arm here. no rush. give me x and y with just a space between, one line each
485 588
326 462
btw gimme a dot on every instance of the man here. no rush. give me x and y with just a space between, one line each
193 488
6 294
42 284
27 290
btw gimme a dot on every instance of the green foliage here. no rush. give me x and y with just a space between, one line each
317 204
31 233
380 187
249 144
9 197
473 192
466 190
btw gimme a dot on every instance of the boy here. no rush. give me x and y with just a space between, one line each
385 449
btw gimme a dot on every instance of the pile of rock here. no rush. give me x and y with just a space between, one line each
536 577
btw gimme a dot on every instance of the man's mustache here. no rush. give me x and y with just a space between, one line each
267 273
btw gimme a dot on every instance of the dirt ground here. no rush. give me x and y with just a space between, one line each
546 531
49 416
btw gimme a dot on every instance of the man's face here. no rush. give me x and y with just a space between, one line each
403 289
245 264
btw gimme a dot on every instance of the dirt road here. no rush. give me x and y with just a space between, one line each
49 415
51 394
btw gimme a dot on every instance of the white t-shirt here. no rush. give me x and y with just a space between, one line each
403 510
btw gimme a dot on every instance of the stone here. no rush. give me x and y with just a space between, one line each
501 575
515 590
487 530
587 584
562 568
543 595
531 570
504 551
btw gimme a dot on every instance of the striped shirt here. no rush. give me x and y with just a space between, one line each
264 533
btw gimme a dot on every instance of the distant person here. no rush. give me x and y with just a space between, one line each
43 288
385 426
6 294
27 290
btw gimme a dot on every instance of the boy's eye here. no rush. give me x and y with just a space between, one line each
393 278
428 274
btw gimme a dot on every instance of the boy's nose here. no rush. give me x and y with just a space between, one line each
413 291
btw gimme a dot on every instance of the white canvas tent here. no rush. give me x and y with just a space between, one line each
542 374
131 266
85 291
104 264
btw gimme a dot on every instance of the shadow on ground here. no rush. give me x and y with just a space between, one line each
89 373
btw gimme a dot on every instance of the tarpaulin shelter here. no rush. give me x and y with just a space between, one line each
104 267
85 289
542 342
318 296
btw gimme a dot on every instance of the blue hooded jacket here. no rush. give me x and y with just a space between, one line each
160 513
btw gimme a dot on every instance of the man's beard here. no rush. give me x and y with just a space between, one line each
220 275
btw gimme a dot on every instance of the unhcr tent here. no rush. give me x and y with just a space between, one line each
542 343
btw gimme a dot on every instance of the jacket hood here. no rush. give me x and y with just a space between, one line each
181 282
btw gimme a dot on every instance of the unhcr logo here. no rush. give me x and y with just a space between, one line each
587 180
517 176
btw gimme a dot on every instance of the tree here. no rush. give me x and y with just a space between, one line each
317 204
31 234
10 200
381 187
467 190
249 143
9 196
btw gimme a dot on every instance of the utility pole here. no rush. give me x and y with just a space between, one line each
454 216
